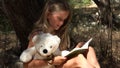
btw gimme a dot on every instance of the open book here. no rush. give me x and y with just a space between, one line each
76 51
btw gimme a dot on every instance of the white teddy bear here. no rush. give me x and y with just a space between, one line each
45 44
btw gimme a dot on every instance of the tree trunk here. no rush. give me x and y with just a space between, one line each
106 11
22 15
106 19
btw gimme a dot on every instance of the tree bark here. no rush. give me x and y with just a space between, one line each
106 19
22 15
105 12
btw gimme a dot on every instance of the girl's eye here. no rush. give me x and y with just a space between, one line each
60 19
50 46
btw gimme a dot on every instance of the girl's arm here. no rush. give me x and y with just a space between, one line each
35 64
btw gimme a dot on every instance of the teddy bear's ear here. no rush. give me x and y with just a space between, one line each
57 39
34 39
41 32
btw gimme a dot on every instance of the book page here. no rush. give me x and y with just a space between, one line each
77 51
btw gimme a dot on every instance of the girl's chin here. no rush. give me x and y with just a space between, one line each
56 28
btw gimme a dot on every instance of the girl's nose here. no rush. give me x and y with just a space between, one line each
61 23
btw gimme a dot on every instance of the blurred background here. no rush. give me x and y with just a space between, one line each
99 19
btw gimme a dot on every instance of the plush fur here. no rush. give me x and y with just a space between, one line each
45 44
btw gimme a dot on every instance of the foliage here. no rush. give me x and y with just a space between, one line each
79 3
4 22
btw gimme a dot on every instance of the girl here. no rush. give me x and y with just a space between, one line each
55 19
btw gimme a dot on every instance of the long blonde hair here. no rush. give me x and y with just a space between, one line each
42 24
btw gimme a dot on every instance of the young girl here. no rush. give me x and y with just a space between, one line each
55 20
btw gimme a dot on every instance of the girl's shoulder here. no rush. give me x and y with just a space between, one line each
32 34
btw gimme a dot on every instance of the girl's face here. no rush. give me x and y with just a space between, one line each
56 19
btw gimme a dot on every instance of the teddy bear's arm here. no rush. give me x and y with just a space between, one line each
27 54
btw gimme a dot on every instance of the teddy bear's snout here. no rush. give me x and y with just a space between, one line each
45 51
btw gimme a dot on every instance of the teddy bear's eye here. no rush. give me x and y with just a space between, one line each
50 46
41 46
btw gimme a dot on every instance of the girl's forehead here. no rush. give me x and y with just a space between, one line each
61 13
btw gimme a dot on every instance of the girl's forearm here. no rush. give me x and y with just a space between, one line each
35 64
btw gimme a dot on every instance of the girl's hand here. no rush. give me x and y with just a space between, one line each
58 60
80 44
77 62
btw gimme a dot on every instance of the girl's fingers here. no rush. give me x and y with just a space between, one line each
80 44
59 60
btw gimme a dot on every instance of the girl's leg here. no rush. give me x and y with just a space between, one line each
91 57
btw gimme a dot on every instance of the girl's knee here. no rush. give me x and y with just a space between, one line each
91 48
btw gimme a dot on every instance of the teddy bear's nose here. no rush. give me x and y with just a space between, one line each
45 51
